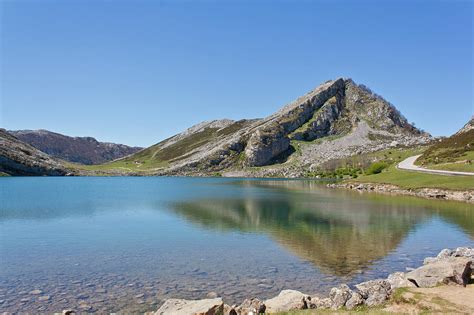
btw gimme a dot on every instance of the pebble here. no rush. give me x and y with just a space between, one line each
24 300
44 298
36 292
100 290
83 296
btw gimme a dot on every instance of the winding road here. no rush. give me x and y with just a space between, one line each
408 164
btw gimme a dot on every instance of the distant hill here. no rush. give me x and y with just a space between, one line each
83 150
337 119
18 158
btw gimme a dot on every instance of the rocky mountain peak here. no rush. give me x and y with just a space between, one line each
467 127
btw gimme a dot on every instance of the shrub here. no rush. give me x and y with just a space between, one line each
375 168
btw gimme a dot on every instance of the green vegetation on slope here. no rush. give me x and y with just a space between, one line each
455 153
157 156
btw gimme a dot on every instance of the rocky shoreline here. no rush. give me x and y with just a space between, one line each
446 268
428 193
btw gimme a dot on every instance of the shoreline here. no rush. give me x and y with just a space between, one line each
444 269
426 193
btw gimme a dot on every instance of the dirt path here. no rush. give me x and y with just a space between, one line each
408 164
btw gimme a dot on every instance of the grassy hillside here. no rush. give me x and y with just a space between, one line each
162 154
455 153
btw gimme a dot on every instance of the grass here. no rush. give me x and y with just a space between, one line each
416 180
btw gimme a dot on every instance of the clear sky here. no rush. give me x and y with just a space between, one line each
136 72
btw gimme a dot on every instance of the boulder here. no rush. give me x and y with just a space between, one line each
187 307
355 300
399 280
322 303
374 292
249 305
439 271
339 296
285 301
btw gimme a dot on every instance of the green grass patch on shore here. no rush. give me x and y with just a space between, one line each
416 180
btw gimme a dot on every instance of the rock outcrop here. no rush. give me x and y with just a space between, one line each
83 150
467 127
18 158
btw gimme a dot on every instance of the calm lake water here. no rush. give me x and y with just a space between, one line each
128 243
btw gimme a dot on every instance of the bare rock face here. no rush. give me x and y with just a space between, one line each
83 150
467 127
187 307
287 300
18 158
271 138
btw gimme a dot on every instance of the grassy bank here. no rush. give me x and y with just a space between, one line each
415 180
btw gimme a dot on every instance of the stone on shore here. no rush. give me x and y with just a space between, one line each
399 280
187 307
374 292
287 300
438 271
249 305
355 300
339 296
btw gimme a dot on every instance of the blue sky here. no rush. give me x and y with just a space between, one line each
136 72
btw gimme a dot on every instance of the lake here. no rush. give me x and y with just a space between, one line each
127 243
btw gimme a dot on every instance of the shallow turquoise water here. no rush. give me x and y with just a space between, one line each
127 243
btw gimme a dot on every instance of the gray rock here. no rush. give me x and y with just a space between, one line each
285 301
355 300
339 296
439 271
186 307
249 305
324 303
399 280
374 292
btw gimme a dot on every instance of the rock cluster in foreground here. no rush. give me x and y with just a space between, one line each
429 193
445 268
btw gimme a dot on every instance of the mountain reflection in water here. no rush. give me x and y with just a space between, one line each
339 238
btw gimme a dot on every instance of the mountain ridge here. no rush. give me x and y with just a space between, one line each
83 150
336 108
19 158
